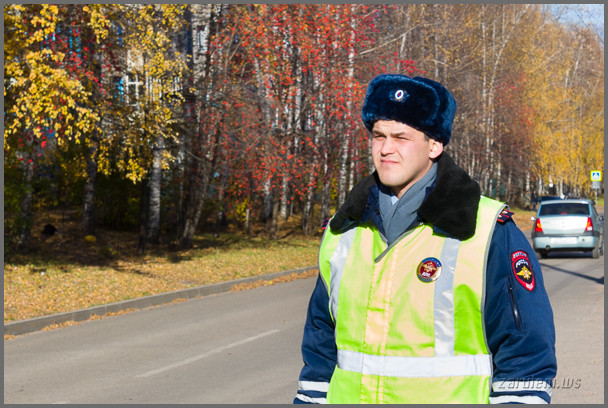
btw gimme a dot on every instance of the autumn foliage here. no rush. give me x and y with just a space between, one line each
169 118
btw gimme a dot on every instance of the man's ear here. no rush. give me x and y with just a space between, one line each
436 149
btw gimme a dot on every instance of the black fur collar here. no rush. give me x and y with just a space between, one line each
451 206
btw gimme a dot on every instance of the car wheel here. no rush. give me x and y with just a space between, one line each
601 249
595 252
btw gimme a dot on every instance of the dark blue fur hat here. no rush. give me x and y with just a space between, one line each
418 102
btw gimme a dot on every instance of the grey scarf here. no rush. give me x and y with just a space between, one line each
398 217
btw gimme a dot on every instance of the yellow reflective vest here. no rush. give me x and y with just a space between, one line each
409 317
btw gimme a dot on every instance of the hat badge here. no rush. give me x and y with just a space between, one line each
400 95
429 270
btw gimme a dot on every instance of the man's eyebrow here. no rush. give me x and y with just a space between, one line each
398 133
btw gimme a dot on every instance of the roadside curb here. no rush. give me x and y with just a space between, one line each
37 323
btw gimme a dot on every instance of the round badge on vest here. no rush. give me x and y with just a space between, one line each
429 270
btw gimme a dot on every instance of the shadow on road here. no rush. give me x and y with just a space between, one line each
580 275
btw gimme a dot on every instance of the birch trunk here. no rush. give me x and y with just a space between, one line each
153 230
201 153
24 228
310 193
88 210
308 202
325 193
284 197
88 207
346 134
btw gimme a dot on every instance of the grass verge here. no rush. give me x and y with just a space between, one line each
68 272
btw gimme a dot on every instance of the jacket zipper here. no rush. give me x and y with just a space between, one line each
514 308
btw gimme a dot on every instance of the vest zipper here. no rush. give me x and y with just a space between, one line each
514 308
389 247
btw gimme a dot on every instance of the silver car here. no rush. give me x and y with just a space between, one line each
568 225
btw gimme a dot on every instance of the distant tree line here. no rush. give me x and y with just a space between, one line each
161 116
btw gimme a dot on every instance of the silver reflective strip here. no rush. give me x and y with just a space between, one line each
444 299
523 385
319 257
395 366
336 262
485 271
517 399
313 386
306 398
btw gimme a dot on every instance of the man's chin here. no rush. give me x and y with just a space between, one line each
388 181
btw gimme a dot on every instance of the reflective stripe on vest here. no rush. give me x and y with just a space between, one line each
379 335
393 366
337 267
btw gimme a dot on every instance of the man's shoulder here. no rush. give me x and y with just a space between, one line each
505 214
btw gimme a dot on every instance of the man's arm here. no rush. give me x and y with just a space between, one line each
318 349
519 320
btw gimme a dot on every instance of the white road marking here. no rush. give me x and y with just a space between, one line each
204 355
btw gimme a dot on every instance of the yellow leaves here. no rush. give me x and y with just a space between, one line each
166 160
46 21
559 78
98 21
51 10
91 239
155 64
135 171
47 97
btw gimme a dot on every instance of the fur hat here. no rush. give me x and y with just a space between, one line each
418 102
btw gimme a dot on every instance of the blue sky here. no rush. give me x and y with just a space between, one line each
581 14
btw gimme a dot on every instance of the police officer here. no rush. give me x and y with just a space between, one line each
428 292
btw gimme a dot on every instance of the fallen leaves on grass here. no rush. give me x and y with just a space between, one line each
47 282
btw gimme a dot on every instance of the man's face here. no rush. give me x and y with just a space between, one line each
402 155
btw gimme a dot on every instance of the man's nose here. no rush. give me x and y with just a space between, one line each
387 146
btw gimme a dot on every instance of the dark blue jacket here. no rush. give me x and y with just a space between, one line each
518 317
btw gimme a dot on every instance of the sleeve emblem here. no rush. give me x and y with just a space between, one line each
522 269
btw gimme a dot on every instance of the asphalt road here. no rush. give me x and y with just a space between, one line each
244 347
238 347
575 283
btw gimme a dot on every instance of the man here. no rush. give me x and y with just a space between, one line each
428 292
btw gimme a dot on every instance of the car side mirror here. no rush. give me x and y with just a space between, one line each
532 218
601 217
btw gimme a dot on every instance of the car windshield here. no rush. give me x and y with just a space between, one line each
564 209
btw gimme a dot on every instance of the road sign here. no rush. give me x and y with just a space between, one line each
596 185
596 175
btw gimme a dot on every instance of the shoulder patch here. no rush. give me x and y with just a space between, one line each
522 269
505 216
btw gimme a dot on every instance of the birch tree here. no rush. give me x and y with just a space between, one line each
155 68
